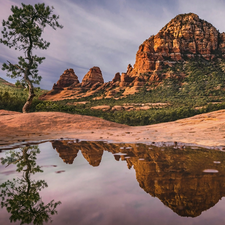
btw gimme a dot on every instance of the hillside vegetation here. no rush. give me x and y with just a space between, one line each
202 89
13 98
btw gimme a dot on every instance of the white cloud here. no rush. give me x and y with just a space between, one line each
106 33
210 10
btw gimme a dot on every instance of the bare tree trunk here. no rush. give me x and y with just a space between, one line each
28 103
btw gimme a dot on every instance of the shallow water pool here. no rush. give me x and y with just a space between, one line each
72 182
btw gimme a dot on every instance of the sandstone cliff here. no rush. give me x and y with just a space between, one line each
66 79
185 37
93 76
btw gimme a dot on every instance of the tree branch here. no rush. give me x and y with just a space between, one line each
15 65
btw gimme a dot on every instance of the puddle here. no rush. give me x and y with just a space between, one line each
96 183
120 153
210 171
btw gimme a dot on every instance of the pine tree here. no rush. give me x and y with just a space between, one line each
23 31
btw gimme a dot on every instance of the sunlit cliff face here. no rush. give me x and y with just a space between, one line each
184 37
186 180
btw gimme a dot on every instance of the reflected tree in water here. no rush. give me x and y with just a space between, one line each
21 196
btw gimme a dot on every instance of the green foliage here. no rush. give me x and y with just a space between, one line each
201 90
20 84
23 30
133 118
14 98
194 93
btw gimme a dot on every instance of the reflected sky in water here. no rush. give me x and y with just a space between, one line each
100 183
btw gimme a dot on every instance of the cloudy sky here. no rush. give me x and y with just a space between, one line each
104 33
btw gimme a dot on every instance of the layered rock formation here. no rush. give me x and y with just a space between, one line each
93 76
174 175
68 85
66 79
184 37
116 78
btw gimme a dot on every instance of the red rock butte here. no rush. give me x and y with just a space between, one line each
185 37
93 76
66 79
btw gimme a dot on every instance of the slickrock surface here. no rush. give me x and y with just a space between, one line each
205 129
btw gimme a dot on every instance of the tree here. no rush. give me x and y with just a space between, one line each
23 30
20 84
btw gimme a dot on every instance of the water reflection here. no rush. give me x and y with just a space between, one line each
21 196
183 179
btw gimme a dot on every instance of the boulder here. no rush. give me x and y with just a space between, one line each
101 107
117 108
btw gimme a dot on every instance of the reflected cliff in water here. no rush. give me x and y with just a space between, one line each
20 196
187 180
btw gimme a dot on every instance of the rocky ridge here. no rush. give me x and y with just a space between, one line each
185 37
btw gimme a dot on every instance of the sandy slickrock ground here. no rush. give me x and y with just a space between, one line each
205 129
